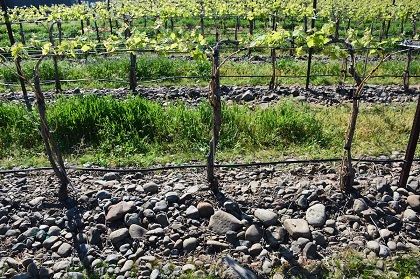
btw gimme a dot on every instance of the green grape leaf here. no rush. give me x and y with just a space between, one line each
198 55
46 48
299 51
17 50
85 48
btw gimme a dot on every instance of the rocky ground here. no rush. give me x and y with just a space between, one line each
168 223
255 95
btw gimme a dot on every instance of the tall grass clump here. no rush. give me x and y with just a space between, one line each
137 126
134 129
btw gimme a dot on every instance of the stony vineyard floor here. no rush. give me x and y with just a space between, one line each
168 224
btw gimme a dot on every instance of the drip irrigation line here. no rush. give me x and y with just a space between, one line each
235 165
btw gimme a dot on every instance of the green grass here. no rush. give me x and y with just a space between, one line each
135 131
350 263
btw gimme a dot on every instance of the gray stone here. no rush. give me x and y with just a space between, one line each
275 235
372 231
64 250
217 244
410 215
188 268
172 197
414 202
189 244
25 275
267 217
45 273
36 201
103 194
248 96
392 245
155 274
412 184
359 205
267 267
315 215
61 265
205 209
381 184
230 269
302 202
383 251
95 235
373 245
111 176
385 233
319 238
221 222
253 233
162 219
255 249
137 231
54 231
3 229
117 211
112 258
132 218
128 265
192 212
74 275
297 228
49 242
309 251
119 235
151 187
149 214
160 206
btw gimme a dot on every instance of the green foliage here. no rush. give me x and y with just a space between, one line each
135 131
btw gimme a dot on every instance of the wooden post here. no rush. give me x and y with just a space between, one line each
202 12
215 102
81 21
22 33
308 72
236 28
273 67
18 59
56 75
406 75
411 148
133 80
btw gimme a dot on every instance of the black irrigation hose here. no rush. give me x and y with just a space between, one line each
238 165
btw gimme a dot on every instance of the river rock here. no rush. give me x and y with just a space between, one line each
315 215
297 228
221 222
205 209
151 187
410 215
192 212
267 217
230 269
414 202
253 233
137 231
117 211
119 235
359 205
189 244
